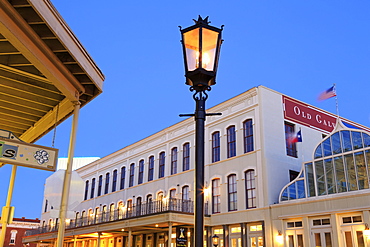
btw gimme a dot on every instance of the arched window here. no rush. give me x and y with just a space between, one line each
86 189
232 192
149 204
173 160
90 216
132 175
100 184
248 136
106 183
231 141
13 235
123 177
162 157
250 189
185 199
46 206
92 192
114 182
216 146
138 206
111 212
151 168
129 208
186 157
141 172
216 196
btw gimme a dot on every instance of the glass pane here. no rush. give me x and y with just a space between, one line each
340 175
253 241
366 138
330 179
351 172
327 147
317 239
209 42
292 191
356 140
300 240
367 154
284 195
361 171
360 239
290 240
335 142
328 239
346 141
348 237
191 40
320 178
260 242
318 152
300 189
310 180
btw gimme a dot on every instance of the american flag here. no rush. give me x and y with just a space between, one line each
327 94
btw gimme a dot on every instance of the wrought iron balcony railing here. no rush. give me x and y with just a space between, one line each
137 210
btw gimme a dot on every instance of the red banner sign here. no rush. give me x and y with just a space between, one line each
308 115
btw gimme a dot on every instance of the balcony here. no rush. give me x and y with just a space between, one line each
135 211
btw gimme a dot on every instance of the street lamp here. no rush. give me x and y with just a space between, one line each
201 47
215 240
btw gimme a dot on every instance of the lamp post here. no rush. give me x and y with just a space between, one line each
201 47
215 240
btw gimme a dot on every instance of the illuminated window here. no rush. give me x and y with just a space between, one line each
236 229
291 147
255 228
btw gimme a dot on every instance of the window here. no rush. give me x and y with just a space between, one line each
231 142
138 206
114 182
291 147
141 172
13 235
123 177
92 192
86 189
173 161
46 206
248 136
250 188
216 196
186 157
162 157
186 204
231 189
172 193
185 193
215 146
106 183
132 174
151 168
100 183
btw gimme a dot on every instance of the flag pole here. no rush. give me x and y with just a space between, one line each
336 100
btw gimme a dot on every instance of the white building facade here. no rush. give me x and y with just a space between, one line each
142 195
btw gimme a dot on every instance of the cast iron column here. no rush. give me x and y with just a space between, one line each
200 117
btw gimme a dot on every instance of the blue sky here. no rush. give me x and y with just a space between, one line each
298 48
